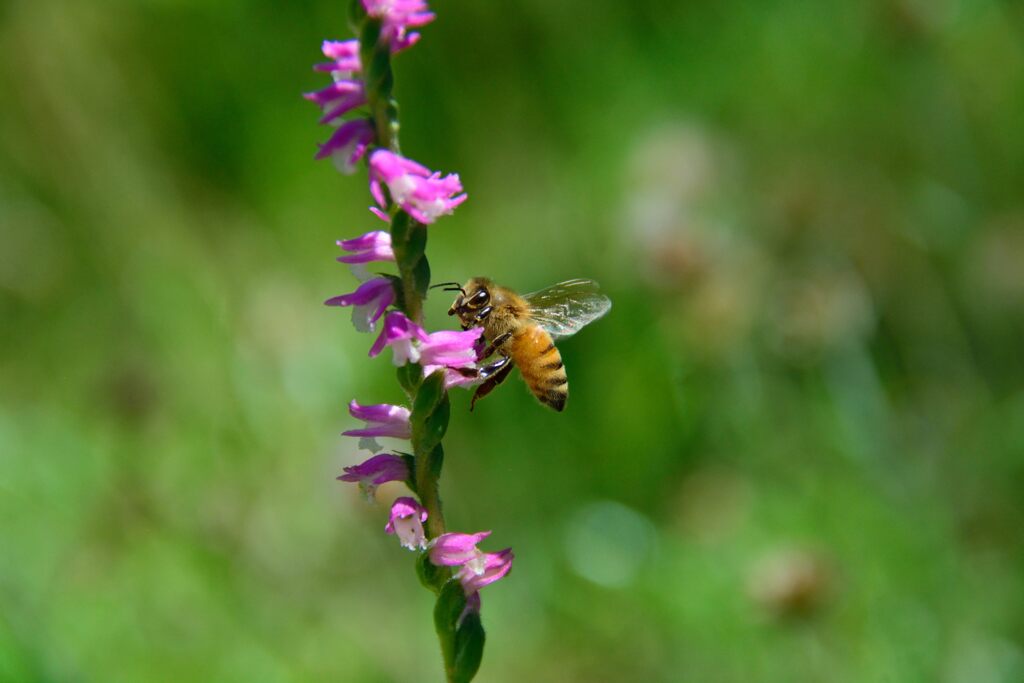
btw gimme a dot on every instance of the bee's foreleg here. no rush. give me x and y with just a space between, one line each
494 345
494 374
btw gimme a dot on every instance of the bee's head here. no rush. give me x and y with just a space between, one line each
472 297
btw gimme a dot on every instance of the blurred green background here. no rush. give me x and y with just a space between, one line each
794 451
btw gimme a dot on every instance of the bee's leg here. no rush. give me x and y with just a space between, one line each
495 374
482 372
489 370
493 346
478 319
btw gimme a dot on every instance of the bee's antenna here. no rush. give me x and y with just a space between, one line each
449 287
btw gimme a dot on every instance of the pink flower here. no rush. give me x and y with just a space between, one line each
493 567
407 517
338 98
453 378
399 333
344 56
410 343
382 419
368 302
347 145
376 471
398 16
478 569
373 246
484 570
449 349
454 549
422 194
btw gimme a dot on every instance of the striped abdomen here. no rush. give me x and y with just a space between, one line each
541 365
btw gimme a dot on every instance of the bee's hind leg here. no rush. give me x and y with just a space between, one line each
494 374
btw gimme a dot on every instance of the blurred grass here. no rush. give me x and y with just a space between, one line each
793 451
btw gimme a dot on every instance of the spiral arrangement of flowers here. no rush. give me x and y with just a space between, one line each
408 196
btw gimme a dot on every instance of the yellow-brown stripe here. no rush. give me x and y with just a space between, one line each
541 366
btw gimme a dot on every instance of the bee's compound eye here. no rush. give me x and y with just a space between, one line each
481 297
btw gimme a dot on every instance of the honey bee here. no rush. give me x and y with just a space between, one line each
522 330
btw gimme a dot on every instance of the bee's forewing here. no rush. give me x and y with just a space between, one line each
565 308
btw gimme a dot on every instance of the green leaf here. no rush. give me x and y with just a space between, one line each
409 240
431 576
356 15
368 36
462 643
436 425
450 603
436 461
469 648
430 412
408 248
375 55
421 276
400 226
429 396
417 243
409 376
397 288
379 78
410 462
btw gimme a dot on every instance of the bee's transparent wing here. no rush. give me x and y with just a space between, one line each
565 308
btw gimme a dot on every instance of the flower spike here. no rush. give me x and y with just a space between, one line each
359 105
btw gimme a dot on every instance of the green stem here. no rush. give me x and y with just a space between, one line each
375 55
409 241
428 468
430 412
